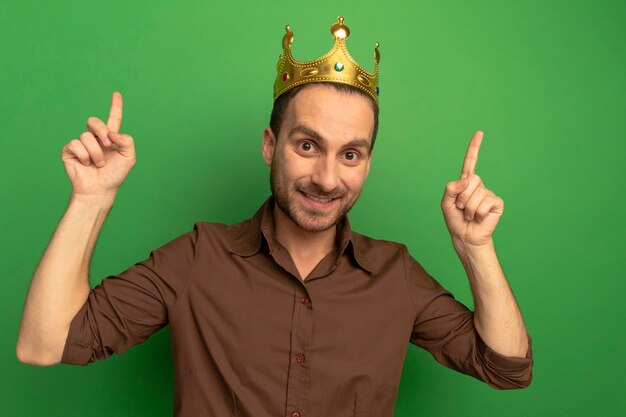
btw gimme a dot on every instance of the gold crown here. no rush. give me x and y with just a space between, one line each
335 66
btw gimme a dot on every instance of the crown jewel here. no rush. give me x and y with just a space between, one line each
337 65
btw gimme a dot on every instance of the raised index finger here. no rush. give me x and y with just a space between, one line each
471 156
115 115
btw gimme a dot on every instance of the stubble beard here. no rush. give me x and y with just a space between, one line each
309 218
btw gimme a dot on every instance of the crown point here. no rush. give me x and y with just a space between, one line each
287 38
339 30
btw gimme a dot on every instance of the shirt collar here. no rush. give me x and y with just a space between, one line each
247 235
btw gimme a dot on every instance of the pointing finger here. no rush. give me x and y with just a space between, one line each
471 156
115 115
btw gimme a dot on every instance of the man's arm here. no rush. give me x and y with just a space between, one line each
96 164
471 212
446 328
497 316
60 284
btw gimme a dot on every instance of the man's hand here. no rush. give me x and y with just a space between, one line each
112 154
471 211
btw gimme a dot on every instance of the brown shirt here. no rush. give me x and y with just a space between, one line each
249 337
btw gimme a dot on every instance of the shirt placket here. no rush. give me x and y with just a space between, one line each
298 387
299 364
301 338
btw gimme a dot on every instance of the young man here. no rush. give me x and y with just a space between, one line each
290 312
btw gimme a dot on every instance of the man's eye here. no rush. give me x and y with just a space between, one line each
352 156
306 146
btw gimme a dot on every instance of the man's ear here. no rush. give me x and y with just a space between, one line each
269 143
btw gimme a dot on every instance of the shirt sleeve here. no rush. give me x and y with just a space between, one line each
445 328
126 309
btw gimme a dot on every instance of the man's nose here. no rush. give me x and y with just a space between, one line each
326 175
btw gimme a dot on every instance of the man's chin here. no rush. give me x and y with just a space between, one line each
316 228
320 224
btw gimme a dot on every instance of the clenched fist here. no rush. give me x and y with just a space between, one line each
100 159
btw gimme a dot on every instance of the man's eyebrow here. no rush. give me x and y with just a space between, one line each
358 142
315 135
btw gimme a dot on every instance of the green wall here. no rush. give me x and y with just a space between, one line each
544 81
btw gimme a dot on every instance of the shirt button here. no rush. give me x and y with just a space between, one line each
295 414
300 357
304 300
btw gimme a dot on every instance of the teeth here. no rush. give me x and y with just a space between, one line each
319 200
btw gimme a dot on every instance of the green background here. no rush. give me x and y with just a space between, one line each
544 80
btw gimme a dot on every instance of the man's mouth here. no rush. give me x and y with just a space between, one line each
318 201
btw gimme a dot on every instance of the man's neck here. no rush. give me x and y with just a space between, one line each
302 244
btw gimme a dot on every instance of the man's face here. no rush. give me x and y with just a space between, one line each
322 156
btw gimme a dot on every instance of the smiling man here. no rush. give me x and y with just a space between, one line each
318 166
290 312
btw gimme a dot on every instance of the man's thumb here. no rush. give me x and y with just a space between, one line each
453 189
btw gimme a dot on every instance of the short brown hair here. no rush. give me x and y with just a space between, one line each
281 103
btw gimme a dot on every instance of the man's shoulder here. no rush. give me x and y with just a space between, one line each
227 236
377 252
213 230
372 243
198 234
